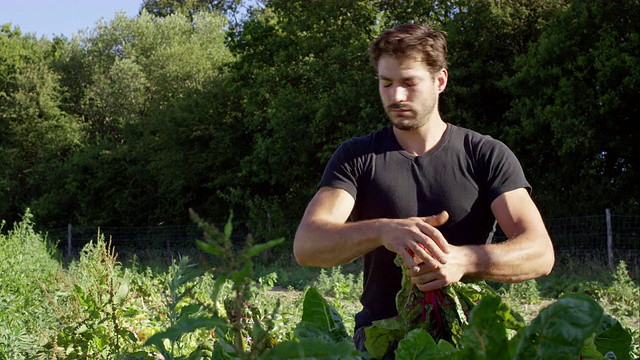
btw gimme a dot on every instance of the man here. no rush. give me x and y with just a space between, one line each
423 185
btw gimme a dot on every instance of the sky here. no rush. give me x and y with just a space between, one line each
51 18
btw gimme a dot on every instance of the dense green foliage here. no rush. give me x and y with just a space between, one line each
139 119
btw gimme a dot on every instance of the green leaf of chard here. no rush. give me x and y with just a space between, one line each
310 331
382 333
418 344
313 349
589 350
614 338
486 336
316 310
560 330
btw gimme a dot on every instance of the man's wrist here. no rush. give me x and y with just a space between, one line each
470 260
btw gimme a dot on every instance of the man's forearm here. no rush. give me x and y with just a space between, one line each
522 258
328 244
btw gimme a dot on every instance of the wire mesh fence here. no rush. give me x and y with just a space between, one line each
618 238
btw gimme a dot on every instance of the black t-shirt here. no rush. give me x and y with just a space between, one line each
462 174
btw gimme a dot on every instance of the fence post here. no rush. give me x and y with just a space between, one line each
69 240
609 240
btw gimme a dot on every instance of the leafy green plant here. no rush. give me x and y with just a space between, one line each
442 313
335 283
572 327
240 327
447 323
92 306
183 316
320 334
525 292
623 292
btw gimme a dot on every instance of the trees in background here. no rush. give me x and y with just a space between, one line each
575 107
36 135
301 84
139 119
128 82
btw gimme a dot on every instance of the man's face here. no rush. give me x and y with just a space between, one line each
409 91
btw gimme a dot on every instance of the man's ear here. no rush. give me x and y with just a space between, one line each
442 77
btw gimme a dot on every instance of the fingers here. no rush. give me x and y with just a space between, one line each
417 240
439 245
432 285
411 262
430 246
437 220
430 255
427 278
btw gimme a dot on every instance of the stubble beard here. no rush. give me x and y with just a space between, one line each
411 123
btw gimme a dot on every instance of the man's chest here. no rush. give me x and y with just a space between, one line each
399 187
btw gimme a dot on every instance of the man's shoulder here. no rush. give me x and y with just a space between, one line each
474 140
370 142
468 134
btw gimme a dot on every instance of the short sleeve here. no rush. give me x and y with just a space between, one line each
502 170
344 168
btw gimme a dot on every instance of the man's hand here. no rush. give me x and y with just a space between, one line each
419 236
428 278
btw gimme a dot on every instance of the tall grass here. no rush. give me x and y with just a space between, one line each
28 265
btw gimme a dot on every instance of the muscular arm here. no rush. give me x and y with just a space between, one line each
527 254
325 239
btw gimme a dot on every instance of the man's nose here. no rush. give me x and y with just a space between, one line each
399 94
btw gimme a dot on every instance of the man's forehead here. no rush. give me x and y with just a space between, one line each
389 65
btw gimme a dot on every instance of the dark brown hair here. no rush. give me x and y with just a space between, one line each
408 40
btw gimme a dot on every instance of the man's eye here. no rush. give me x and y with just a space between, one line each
386 83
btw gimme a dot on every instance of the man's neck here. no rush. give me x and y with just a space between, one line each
419 141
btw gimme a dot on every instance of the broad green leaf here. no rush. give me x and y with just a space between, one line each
382 333
128 334
486 336
157 341
258 248
313 349
418 344
614 339
589 350
316 310
309 331
560 330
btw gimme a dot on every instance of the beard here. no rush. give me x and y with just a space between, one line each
410 120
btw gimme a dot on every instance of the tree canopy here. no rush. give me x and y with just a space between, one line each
237 105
